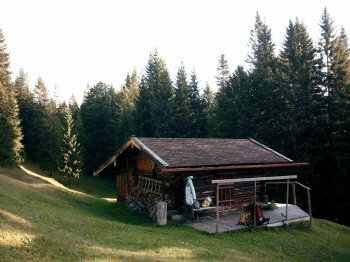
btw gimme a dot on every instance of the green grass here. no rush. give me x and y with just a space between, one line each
40 221
95 186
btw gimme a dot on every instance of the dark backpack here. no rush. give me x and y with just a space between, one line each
260 219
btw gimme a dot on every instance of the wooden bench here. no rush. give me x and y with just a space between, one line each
202 209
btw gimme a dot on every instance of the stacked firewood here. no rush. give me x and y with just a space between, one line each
145 201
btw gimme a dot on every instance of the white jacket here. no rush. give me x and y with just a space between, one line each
190 192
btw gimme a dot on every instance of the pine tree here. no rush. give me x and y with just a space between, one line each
223 72
27 112
182 113
42 153
99 117
154 102
196 121
267 101
143 110
222 104
299 67
127 107
341 125
10 132
225 112
328 142
71 150
240 85
41 94
208 104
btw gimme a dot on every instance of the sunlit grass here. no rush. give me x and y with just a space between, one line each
43 222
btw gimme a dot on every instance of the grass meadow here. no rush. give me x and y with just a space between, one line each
43 221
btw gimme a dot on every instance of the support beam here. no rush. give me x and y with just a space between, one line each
252 179
309 206
287 195
217 208
291 182
192 169
294 195
254 204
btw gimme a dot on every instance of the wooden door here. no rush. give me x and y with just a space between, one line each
125 183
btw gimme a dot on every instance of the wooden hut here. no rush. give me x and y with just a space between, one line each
162 165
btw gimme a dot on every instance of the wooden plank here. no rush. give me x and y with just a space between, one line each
217 208
294 195
287 195
309 206
291 182
252 179
192 169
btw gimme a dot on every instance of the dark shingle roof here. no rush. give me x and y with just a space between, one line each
197 152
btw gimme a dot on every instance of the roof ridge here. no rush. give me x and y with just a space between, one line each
271 150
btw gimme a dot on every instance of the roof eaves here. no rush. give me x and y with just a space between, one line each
113 157
151 154
269 149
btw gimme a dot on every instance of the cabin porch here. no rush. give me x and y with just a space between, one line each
229 221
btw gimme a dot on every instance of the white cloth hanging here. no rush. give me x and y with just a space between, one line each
190 192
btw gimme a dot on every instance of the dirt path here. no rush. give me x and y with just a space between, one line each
51 181
55 183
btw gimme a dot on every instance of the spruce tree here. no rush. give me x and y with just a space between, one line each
78 122
182 113
197 117
72 160
27 113
42 152
240 94
10 131
299 67
208 104
332 163
99 117
222 104
341 125
267 100
223 72
126 108
155 98
143 110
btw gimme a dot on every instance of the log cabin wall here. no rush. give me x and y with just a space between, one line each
231 196
203 186
239 195
143 162
145 168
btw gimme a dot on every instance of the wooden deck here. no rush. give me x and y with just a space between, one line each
228 222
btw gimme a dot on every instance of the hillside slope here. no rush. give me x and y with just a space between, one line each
40 221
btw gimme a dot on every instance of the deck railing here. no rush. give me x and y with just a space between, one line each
294 194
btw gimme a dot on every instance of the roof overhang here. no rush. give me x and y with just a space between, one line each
192 169
134 142
164 166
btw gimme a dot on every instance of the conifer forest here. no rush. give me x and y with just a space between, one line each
295 100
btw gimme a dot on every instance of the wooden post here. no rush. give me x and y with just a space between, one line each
287 199
163 186
294 195
161 213
254 204
309 206
217 208
127 177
